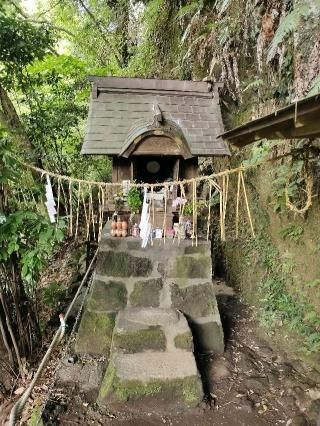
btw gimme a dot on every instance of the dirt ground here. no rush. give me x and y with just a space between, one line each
252 383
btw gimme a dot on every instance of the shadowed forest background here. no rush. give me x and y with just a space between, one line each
267 54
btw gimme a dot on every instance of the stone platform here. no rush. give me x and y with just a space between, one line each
141 307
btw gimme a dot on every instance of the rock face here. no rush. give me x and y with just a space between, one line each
145 309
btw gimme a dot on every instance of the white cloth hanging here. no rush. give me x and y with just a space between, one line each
50 203
145 225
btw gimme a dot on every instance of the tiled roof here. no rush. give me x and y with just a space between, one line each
117 104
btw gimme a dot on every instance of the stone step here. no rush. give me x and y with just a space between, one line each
141 329
151 381
151 357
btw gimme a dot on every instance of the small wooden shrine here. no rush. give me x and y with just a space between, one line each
154 130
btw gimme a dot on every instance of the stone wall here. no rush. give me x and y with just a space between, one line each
162 275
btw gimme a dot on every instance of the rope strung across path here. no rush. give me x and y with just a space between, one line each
242 168
92 197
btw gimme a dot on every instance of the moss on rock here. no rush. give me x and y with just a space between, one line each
200 249
146 293
36 419
196 300
184 341
190 267
151 338
188 389
122 264
95 333
107 296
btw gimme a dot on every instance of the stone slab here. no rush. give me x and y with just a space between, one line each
131 323
208 336
146 293
146 366
195 266
107 296
83 376
195 300
168 376
95 333
139 340
123 264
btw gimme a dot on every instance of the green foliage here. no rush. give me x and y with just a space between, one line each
286 175
314 283
292 231
315 89
279 305
290 23
21 43
54 294
189 9
134 200
31 239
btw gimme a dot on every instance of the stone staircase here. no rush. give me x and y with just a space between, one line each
145 308
151 358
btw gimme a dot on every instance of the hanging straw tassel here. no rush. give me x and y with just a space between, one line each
78 208
86 215
221 211
225 204
209 210
58 203
70 205
237 205
247 203
194 212
92 211
101 210
64 198
165 213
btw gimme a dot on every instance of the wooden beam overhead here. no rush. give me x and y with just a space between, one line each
298 120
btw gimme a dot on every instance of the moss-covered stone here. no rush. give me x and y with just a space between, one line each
208 337
134 245
195 300
112 242
190 267
151 338
184 341
200 249
35 419
188 389
146 293
107 296
122 264
95 333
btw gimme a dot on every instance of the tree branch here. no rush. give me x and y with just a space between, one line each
100 29
36 21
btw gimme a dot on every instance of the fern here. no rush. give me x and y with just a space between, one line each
190 9
290 23
253 85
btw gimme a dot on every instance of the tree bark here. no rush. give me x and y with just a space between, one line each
11 121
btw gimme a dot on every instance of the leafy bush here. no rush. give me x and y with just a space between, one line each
134 200
31 238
